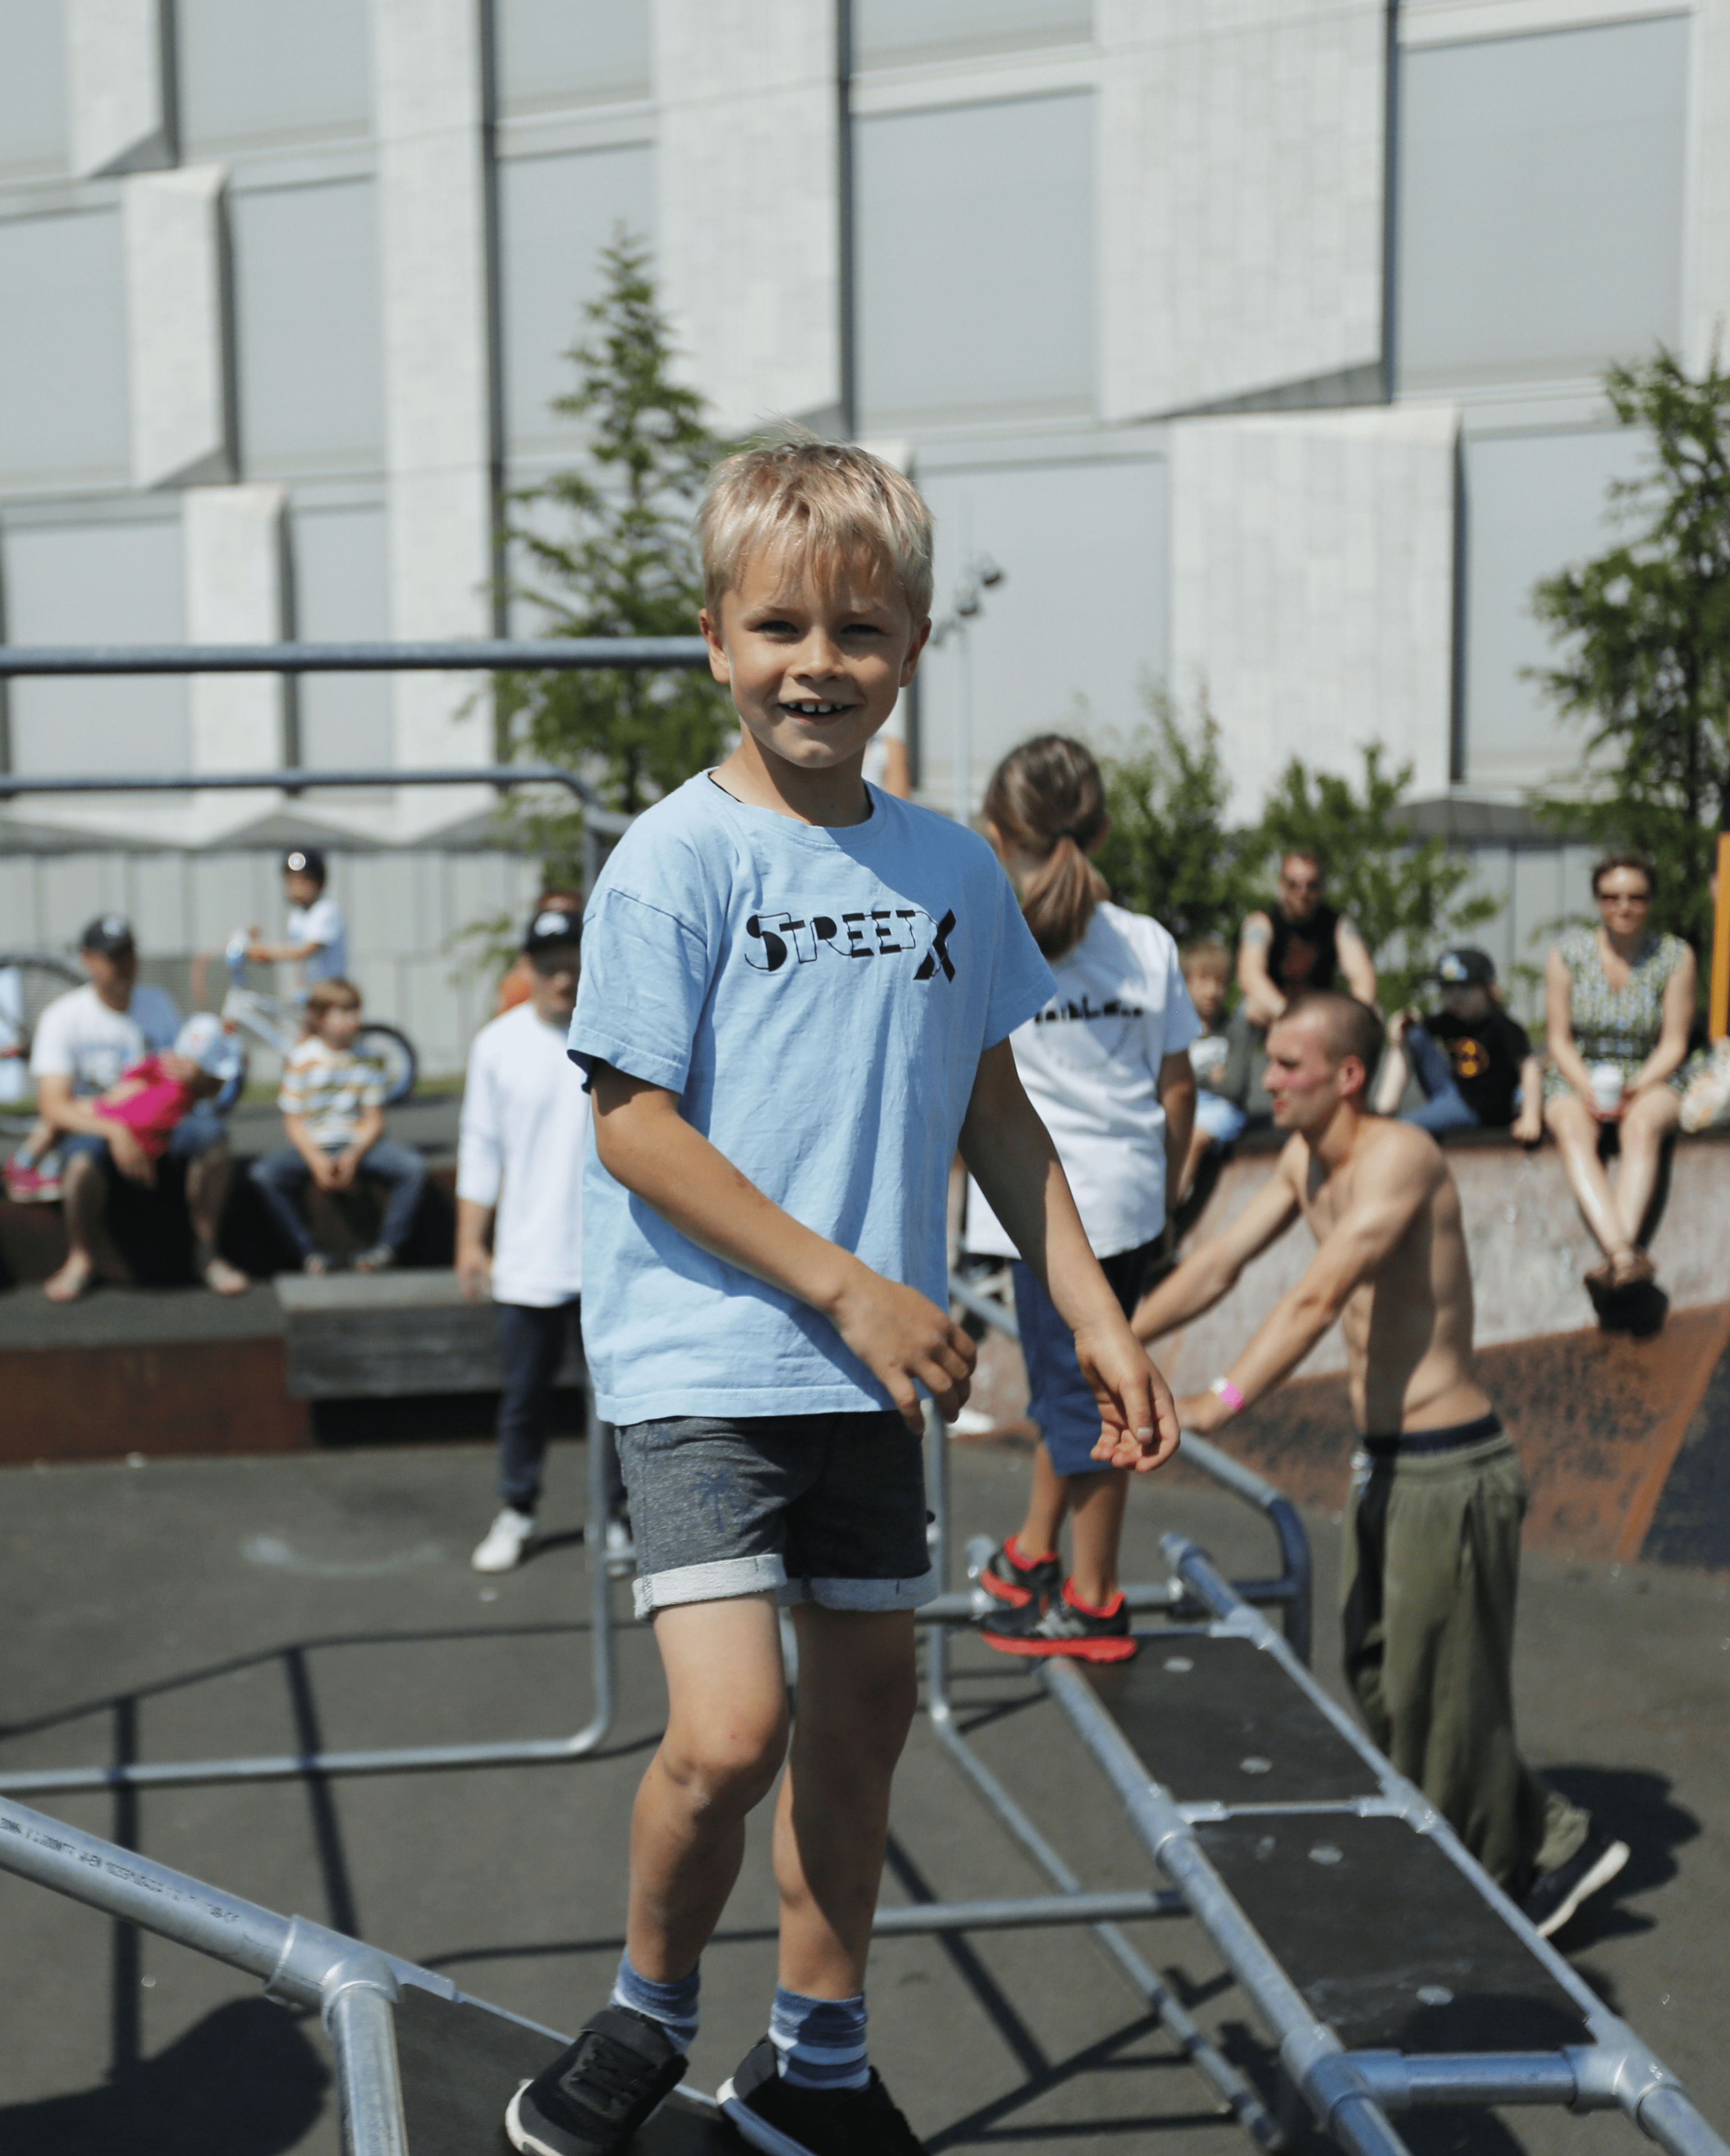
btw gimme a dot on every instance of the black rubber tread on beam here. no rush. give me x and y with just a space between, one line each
1386 1939
461 2065
1219 1721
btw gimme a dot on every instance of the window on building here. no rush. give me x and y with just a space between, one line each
975 240
893 32
118 581
1086 543
33 89
550 53
255 70
63 352
306 308
341 595
1540 202
555 214
1533 503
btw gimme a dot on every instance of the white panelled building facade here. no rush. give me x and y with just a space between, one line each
1257 341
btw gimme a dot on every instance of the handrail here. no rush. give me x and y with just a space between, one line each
483 654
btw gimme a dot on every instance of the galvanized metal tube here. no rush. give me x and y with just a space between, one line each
484 654
363 2039
1667 2116
402 1759
1310 2052
1400 2081
1031 1911
1282 1516
298 777
140 1891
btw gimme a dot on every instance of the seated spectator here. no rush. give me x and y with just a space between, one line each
333 1111
85 1040
1619 1002
1300 946
1473 1061
1220 1058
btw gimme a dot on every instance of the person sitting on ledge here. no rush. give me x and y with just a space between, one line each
332 1104
1473 1061
1619 1001
85 1041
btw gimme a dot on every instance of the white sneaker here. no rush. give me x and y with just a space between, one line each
510 1535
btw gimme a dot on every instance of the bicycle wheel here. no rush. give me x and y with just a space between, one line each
29 982
393 1053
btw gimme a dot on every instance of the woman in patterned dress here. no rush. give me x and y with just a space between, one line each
1617 995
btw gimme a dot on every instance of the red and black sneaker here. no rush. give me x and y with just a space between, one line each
1019 1582
1066 1626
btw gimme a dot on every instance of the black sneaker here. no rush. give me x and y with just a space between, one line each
1064 1627
766 2113
594 2097
1556 1895
1017 1581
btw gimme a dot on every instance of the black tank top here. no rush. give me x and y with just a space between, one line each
1304 954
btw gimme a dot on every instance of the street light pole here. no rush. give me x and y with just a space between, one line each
978 575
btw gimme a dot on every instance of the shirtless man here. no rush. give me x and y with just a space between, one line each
1433 1533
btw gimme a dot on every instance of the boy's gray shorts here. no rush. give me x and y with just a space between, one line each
825 1508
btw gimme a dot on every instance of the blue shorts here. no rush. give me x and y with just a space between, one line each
824 1508
1059 1399
192 1135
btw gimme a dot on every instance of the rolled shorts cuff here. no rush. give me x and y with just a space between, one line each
861 1593
723 1579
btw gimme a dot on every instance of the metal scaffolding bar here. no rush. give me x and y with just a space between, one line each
484 654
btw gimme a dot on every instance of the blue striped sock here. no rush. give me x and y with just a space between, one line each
818 2043
674 2006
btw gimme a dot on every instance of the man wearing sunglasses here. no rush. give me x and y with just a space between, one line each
1300 946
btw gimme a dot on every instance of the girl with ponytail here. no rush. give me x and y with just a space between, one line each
1106 1063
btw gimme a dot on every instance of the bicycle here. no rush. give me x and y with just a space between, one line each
277 1023
29 982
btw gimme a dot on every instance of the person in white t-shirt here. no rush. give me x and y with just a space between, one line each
1106 1064
84 1041
318 935
519 1170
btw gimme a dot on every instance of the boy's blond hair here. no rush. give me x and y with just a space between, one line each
831 499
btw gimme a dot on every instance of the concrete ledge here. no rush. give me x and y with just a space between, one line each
359 1336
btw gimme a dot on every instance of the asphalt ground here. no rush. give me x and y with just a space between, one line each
187 1609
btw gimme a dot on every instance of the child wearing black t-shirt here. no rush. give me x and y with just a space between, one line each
1473 1061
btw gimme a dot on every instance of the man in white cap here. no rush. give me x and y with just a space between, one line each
519 1168
84 1040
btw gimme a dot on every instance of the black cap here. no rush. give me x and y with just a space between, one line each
551 924
109 933
1466 967
304 860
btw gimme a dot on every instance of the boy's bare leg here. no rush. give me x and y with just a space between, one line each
1199 1141
857 1690
726 1737
1047 1506
1096 1513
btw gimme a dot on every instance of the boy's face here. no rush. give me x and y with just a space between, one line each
301 888
1207 992
814 672
1467 1003
337 1025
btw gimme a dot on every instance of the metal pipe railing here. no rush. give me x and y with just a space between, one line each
482 655
400 1759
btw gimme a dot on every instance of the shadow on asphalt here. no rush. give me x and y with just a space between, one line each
244 2082
1634 1806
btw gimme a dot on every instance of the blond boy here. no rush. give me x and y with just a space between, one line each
796 1000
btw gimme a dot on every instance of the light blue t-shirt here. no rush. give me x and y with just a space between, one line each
819 999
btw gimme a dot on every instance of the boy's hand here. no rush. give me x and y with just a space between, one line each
1138 1419
902 1339
342 1169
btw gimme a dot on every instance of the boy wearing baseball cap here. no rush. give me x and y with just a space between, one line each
1473 1061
